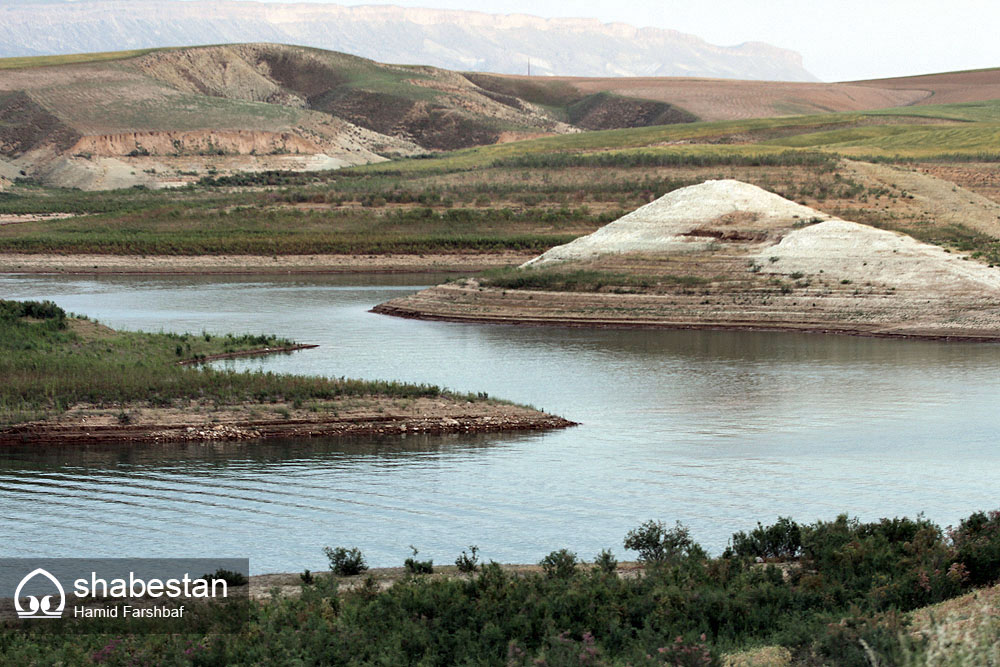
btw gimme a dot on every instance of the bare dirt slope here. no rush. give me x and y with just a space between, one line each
250 264
941 200
945 88
724 99
727 254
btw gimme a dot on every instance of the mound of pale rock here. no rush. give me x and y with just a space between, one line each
667 224
863 254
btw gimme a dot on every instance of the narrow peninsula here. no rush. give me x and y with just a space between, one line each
72 380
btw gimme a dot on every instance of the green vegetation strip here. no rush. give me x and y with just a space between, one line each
50 362
26 62
180 230
832 592
581 280
974 129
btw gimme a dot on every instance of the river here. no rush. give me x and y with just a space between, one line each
714 429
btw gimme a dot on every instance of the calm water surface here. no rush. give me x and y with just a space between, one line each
715 429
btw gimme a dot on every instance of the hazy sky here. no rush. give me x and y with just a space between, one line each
838 39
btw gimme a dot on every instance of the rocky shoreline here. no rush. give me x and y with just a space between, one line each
161 426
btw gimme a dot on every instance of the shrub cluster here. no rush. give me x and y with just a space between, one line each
346 562
625 159
39 310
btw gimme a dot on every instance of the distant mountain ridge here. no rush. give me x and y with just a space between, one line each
457 40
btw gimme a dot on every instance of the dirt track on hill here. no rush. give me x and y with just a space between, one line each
944 201
727 99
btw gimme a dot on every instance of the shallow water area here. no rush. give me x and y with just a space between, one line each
716 429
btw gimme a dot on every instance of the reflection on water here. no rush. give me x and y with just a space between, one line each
717 429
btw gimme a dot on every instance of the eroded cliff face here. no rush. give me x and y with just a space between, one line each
203 142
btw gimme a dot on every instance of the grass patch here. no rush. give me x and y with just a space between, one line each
26 62
668 158
179 230
955 236
578 280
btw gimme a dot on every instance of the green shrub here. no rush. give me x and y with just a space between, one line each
346 562
468 562
414 566
38 310
559 564
977 540
229 576
606 562
658 544
782 540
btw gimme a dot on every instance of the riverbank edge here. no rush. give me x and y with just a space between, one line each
85 264
595 323
259 352
491 418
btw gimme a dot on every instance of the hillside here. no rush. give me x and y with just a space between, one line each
721 99
458 40
946 87
165 117
113 120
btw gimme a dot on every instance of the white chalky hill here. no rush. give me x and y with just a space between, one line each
802 240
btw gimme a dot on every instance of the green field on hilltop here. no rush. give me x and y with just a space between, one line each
26 62
975 128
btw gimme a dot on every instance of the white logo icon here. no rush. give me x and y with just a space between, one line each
40 608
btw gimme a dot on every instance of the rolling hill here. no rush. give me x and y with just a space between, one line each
169 116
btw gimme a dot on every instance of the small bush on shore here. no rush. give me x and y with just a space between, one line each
468 562
559 564
346 562
414 566
229 576
977 540
658 544
783 540
606 562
